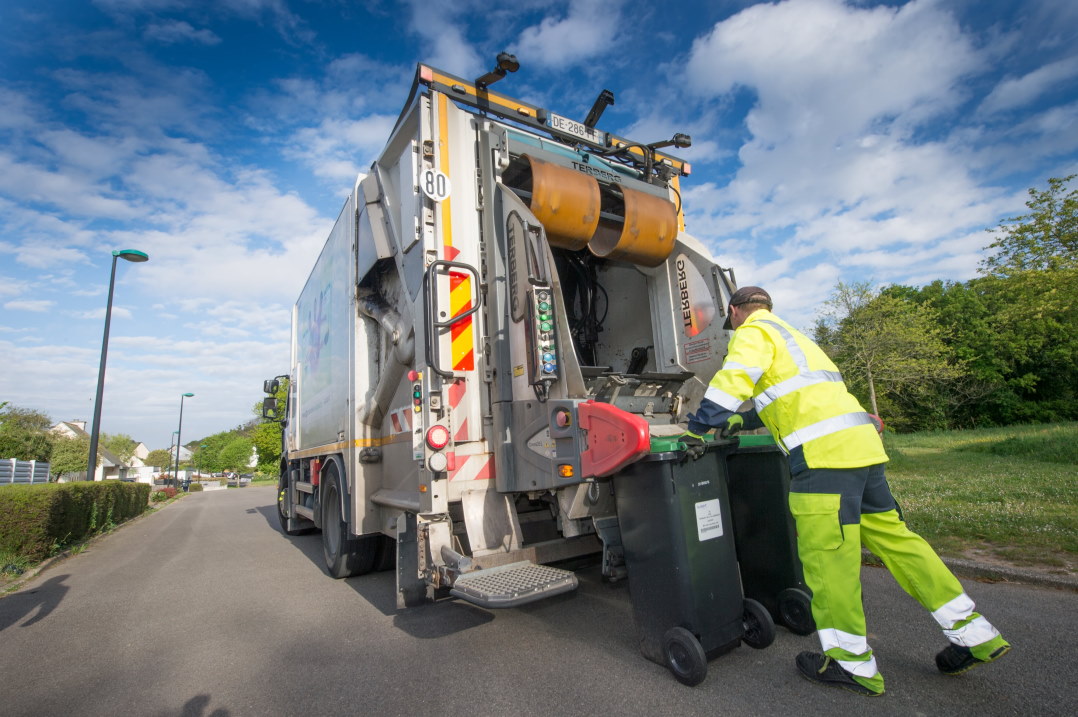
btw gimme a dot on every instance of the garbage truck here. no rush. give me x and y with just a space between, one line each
506 313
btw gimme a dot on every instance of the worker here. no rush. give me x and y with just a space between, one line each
839 496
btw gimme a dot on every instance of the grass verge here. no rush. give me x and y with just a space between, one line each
1010 493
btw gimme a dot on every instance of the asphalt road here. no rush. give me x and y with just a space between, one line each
205 608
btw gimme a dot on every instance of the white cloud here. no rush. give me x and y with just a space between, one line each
29 305
32 183
10 286
176 31
339 149
588 29
1021 91
15 110
840 94
446 45
118 312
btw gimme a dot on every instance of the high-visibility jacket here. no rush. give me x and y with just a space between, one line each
798 393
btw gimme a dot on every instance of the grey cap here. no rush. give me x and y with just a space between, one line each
748 295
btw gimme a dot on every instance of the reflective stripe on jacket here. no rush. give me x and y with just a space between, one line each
798 393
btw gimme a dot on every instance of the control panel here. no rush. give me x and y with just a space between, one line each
542 349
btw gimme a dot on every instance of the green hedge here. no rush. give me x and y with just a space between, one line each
38 520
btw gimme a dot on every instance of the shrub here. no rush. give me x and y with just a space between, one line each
195 487
38 520
158 495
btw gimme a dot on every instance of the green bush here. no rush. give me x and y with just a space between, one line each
39 520
195 487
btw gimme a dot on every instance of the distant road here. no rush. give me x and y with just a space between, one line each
206 609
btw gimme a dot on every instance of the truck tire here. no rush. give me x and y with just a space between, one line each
387 554
345 556
293 525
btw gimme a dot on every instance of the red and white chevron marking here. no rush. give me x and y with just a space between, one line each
401 420
477 467
463 411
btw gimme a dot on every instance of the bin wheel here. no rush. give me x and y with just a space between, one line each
684 656
759 627
795 608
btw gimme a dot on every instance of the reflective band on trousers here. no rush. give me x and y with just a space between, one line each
831 638
866 668
973 633
956 610
825 427
854 644
796 383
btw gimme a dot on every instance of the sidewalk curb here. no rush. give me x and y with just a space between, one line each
993 573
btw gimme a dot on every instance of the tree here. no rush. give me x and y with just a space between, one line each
121 445
1046 239
68 455
267 441
159 458
888 347
25 434
1034 279
236 454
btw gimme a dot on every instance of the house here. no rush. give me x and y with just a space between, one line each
109 467
138 458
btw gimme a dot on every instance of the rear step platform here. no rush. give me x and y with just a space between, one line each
513 584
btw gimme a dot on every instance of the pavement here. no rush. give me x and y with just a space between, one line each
984 571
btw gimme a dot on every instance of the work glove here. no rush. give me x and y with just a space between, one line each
733 425
694 445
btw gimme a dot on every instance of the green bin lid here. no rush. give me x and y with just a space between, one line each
747 441
668 444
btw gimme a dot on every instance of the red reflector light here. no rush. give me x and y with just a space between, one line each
438 437
686 169
426 74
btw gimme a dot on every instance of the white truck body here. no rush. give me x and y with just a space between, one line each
506 311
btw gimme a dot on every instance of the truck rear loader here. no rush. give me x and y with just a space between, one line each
506 313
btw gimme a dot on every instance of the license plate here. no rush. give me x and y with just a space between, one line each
577 129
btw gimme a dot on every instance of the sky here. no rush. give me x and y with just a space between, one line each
833 140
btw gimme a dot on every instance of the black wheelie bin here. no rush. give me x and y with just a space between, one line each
758 475
676 533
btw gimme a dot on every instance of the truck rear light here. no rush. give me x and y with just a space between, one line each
437 462
438 437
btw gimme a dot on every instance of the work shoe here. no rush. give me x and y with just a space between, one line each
956 659
822 669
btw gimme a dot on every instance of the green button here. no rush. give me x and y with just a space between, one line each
543 306
545 326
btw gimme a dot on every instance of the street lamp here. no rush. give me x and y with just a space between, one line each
95 431
176 475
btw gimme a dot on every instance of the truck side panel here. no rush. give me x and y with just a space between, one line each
322 337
